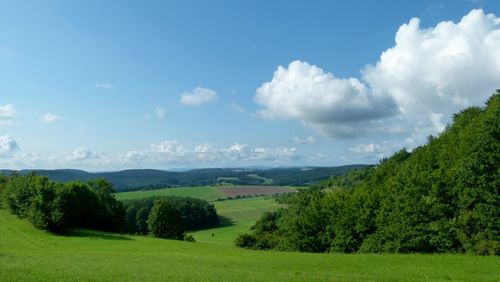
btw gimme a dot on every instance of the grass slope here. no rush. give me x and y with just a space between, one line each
241 213
30 254
208 193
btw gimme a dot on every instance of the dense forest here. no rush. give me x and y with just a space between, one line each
140 179
441 197
58 207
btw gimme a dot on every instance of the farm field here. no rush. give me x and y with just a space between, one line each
28 254
237 215
209 193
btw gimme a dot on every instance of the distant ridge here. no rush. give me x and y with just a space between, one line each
141 179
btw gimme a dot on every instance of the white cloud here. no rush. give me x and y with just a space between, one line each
80 154
104 85
372 152
235 108
7 111
306 93
368 148
7 146
50 118
168 146
160 112
434 72
305 140
418 84
171 152
198 96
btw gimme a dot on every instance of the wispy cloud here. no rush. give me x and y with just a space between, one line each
50 118
160 112
104 85
235 108
304 140
198 96
7 111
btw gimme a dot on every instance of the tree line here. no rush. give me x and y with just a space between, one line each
441 197
193 213
57 207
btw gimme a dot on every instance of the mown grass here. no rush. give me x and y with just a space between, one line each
240 215
27 254
209 193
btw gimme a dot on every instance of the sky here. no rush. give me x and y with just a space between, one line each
111 85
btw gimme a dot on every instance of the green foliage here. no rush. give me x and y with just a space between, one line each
245 241
165 221
189 238
55 206
441 197
195 213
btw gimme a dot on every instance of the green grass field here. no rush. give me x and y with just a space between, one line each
242 213
209 193
27 254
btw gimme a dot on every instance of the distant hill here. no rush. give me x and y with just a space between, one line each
139 179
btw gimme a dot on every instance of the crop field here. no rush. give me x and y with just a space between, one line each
28 254
209 193
255 190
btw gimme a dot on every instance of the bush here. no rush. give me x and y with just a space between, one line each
245 241
189 238
165 221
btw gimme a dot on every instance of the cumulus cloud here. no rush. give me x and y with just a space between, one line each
50 118
168 146
434 72
198 96
171 152
80 154
418 83
304 140
7 146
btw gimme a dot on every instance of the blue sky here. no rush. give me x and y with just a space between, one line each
105 85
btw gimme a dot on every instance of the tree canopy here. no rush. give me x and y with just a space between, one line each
441 197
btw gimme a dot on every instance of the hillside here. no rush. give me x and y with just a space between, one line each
28 254
139 179
441 197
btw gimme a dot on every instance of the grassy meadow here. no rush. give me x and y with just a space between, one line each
238 216
209 193
28 254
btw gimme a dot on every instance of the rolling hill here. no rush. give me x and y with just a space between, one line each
140 179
